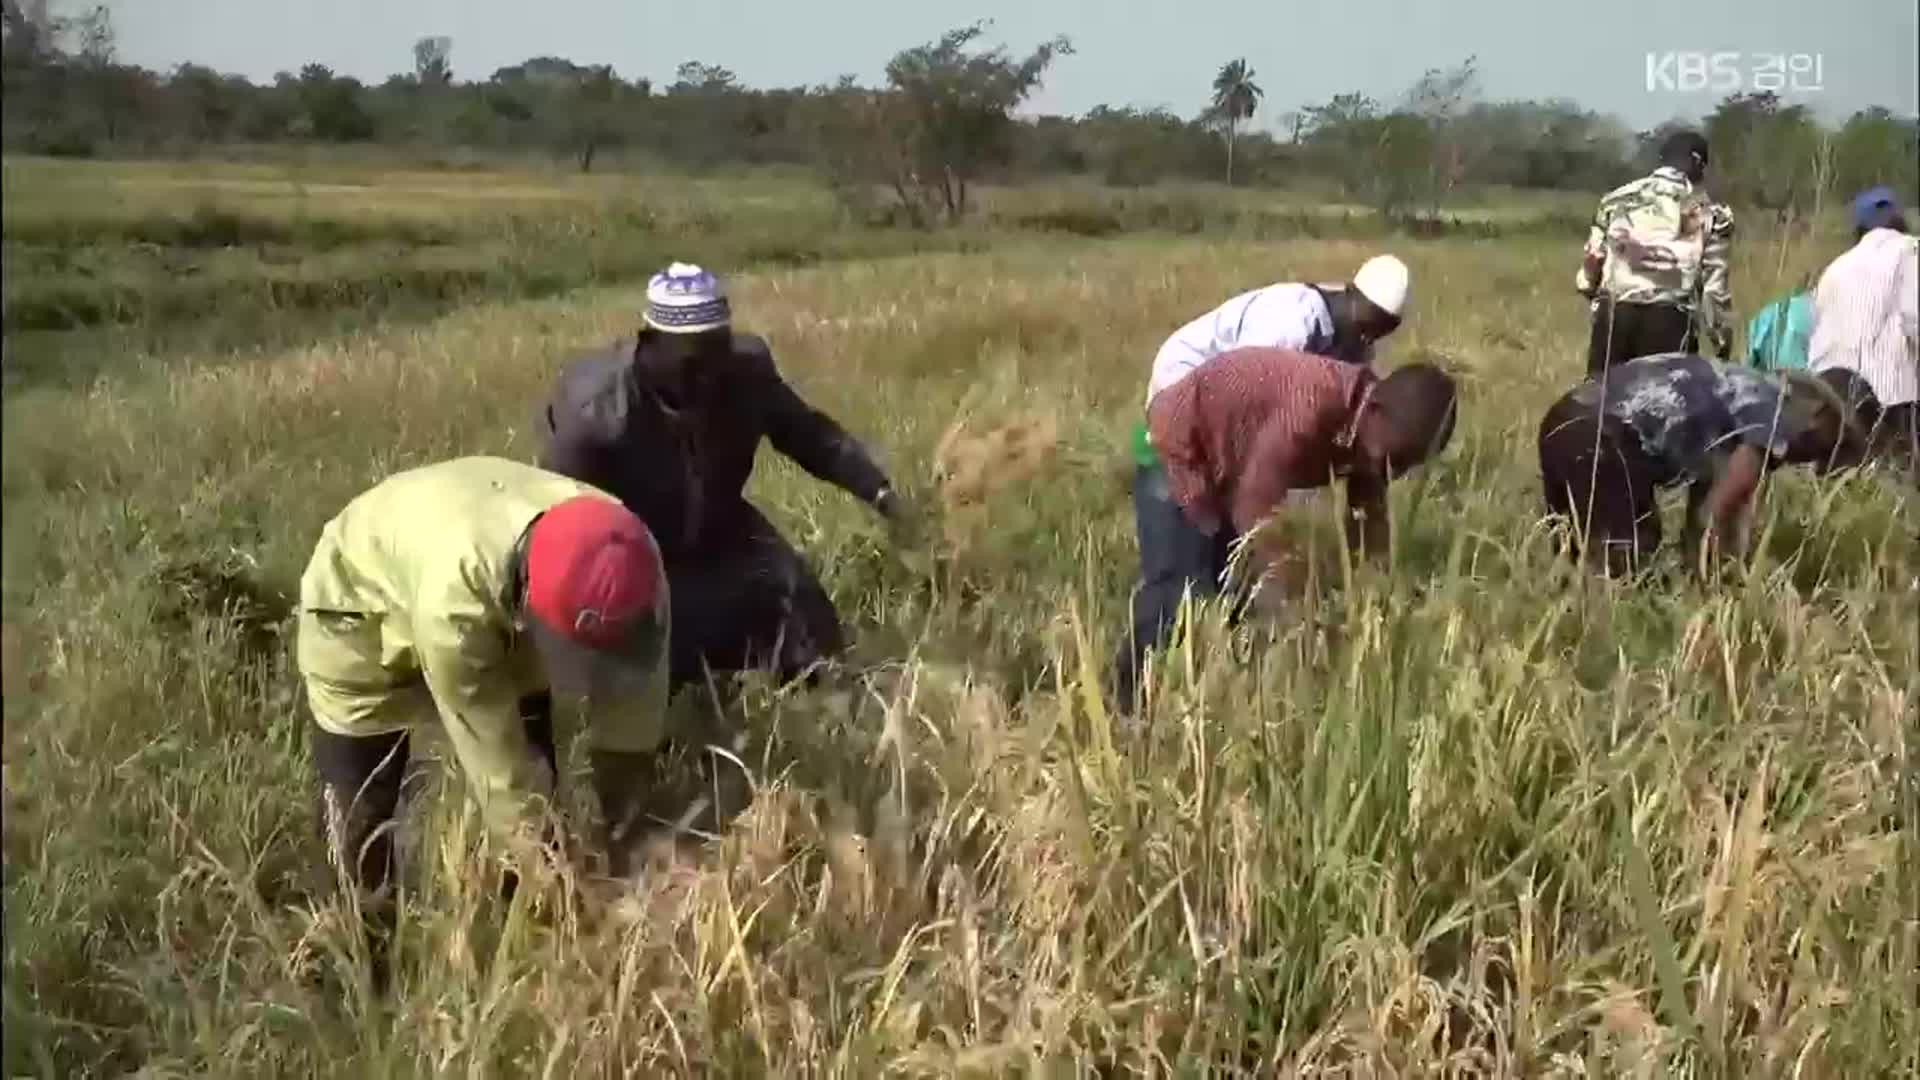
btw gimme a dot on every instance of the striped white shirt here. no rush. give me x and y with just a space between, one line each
1285 316
1866 315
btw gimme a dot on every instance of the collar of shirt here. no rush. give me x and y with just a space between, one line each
1673 176
1883 237
1350 431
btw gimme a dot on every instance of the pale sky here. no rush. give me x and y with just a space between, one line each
1127 51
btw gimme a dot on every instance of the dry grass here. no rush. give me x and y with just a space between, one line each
1470 817
971 467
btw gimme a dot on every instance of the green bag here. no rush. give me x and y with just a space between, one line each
1143 454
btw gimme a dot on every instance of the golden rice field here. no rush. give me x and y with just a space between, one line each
1472 816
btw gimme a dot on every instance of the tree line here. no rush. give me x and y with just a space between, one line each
942 120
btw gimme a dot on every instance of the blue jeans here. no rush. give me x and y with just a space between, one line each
1175 557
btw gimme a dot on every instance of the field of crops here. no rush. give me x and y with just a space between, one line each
1473 815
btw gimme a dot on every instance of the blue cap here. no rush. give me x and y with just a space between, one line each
1874 208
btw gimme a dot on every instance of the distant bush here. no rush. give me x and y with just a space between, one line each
1078 220
211 226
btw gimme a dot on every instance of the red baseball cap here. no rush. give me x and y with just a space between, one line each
596 597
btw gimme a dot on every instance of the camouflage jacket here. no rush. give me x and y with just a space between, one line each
1659 240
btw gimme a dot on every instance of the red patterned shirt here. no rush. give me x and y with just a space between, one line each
1251 425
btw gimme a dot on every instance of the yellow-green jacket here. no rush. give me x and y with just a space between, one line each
404 617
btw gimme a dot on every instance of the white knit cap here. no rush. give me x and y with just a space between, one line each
1383 280
684 299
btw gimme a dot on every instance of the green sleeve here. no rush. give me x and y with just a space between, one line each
462 646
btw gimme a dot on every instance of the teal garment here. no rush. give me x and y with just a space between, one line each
1777 337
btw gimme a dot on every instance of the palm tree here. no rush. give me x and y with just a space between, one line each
1235 96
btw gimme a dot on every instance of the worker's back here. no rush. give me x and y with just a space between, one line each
421 551
1656 238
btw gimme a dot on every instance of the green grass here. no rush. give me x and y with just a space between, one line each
198 259
1471 817
103 261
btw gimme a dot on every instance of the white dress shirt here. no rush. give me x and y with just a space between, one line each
1284 316
1865 317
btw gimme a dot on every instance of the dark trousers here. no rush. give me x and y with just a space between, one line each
360 790
1897 437
1623 332
1600 483
751 603
1175 558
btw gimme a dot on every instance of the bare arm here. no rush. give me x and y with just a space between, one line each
1272 556
1717 509
1289 568
1593 258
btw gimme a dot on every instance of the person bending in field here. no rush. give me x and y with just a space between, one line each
468 594
1239 433
670 422
1340 321
1609 444
1343 322
1866 319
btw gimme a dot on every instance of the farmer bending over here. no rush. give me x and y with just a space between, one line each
1340 321
468 594
1233 438
670 422
1867 320
1610 444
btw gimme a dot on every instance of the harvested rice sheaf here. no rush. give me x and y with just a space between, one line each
971 466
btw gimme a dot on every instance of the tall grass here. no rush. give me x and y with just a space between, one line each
107 260
1473 816
190 259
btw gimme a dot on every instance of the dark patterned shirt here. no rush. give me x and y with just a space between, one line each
1689 410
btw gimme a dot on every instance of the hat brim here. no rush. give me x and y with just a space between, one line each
1392 313
612 674
1878 217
